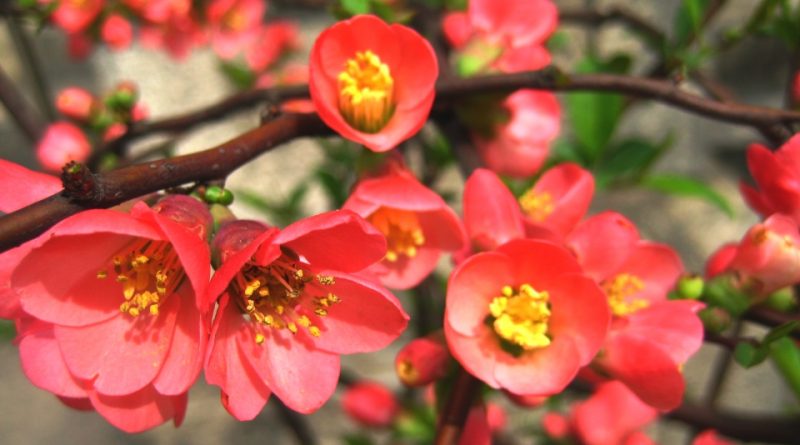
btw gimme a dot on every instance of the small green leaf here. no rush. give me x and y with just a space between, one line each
7 330
679 185
781 331
355 7
689 20
786 356
239 74
626 160
749 355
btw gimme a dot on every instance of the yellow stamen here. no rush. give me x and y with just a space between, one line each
538 206
402 231
619 291
366 92
521 316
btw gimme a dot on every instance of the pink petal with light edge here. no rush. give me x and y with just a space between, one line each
674 325
645 369
70 294
443 229
400 191
122 354
241 387
140 411
338 240
571 188
579 311
602 243
406 272
22 187
366 319
186 353
42 362
303 377
539 263
491 214
472 286
542 372
477 353
657 265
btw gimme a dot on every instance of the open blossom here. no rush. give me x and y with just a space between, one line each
289 307
61 143
274 40
234 24
74 16
417 223
523 318
777 177
373 83
119 331
370 404
650 337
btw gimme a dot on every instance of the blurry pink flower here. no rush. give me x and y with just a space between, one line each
720 260
290 307
74 16
610 416
61 143
777 178
710 437
117 32
417 223
114 131
76 103
520 145
556 425
422 361
234 24
140 112
133 357
178 36
274 40
370 404
79 46
513 22
523 318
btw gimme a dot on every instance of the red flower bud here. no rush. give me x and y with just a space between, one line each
422 361
370 404
75 103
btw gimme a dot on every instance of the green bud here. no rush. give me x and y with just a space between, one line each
782 300
218 195
691 287
715 319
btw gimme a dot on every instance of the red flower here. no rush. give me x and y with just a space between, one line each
274 40
76 103
610 416
417 223
74 16
370 404
515 23
523 318
119 328
710 437
290 307
422 361
234 24
117 32
777 176
371 82
61 143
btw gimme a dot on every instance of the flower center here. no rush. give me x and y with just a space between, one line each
401 229
538 206
619 291
235 20
366 92
520 317
283 295
148 271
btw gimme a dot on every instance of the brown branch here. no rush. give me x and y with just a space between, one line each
23 113
750 427
772 318
614 14
108 189
456 408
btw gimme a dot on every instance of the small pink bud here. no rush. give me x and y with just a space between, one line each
422 361
139 112
115 131
117 32
75 102
61 143
555 425
496 416
370 404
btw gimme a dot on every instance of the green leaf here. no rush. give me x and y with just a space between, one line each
781 331
629 159
594 116
239 74
355 7
679 185
7 330
749 355
689 20
786 356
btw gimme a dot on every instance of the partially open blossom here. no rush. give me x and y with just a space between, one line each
720 260
121 328
422 361
417 223
74 16
523 318
61 143
610 416
117 32
777 177
558 200
373 83
370 404
234 24
75 102
515 22
519 146
290 307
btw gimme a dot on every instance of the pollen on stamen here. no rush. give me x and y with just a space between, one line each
620 291
537 205
366 92
521 316
404 235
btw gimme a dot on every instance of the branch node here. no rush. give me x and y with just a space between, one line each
80 184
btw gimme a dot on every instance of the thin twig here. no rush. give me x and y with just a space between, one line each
33 67
23 113
456 408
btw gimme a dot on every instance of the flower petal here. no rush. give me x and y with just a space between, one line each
491 214
140 411
22 187
472 286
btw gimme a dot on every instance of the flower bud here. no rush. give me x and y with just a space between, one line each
217 195
370 404
123 97
715 319
117 32
61 143
782 300
555 425
188 212
76 103
690 287
422 361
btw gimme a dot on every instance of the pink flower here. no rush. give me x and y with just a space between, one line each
76 103
120 329
274 40
290 307
777 177
610 416
370 404
117 32
234 24
178 36
515 23
61 143
422 361
710 437
520 145
523 318
373 83
74 16
417 223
